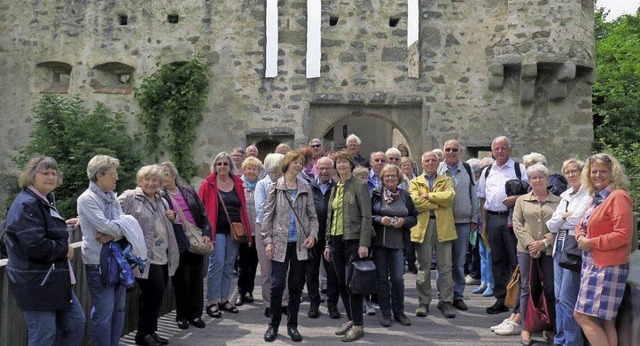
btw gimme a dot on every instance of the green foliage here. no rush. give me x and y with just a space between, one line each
174 96
68 131
616 95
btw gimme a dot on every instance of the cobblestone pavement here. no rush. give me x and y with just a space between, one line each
248 326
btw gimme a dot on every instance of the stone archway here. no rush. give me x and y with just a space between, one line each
380 121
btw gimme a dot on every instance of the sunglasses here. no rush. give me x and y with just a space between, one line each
316 145
222 163
393 158
455 150
599 157
379 160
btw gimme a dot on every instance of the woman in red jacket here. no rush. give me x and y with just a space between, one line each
604 235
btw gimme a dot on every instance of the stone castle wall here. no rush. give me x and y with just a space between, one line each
485 68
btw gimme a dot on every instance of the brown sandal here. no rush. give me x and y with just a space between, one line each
226 306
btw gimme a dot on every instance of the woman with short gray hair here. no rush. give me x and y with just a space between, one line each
101 164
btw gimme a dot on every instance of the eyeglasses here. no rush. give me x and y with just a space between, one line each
49 173
222 163
455 150
113 174
572 172
379 160
316 145
599 157
393 158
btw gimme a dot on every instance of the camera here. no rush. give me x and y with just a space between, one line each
394 221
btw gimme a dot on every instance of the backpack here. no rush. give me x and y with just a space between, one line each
513 187
467 167
557 184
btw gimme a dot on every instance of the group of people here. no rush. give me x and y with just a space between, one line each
304 209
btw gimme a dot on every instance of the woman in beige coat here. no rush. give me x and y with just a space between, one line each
155 218
289 229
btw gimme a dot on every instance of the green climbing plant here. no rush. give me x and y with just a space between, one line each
172 100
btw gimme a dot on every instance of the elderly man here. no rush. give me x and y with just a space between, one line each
495 216
465 213
376 162
433 195
321 187
251 151
393 156
353 146
316 145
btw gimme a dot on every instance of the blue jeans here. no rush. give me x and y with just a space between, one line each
485 264
458 257
566 287
56 327
107 309
220 271
389 269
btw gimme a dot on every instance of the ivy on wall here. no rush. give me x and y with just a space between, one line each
174 97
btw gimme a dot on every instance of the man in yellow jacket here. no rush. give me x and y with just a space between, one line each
433 196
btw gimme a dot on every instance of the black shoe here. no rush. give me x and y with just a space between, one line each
197 322
240 300
433 266
270 334
412 269
248 298
460 305
267 312
333 312
160 340
284 310
147 340
294 334
183 323
314 311
496 308
402 319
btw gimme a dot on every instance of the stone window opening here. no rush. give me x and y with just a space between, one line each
123 19
173 18
52 77
393 21
333 20
112 78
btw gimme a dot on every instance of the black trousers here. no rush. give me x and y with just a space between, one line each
247 266
341 254
313 277
150 299
503 253
409 251
295 283
187 285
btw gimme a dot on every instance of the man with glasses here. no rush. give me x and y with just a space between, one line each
465 214
495 206
377 161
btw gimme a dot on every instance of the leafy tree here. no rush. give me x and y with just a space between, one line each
616 95
67 130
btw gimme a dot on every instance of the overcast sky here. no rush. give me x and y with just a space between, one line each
619 7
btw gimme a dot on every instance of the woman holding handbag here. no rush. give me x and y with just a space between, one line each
574 201
222 194
187 281
530 213
289 229
604 234
349 237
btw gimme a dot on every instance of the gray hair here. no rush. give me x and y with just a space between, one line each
501 139
353 137
150 170
392 151
533 158
537 168
36 164
272 162
100 164
474 163
486 161
221 156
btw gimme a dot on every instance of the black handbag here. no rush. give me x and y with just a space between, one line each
571 256
363 277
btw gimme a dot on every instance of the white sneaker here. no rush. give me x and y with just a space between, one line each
498 326
511 328
369 309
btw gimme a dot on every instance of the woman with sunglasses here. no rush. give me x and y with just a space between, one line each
223 184
604 234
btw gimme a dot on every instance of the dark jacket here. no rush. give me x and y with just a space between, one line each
386 236
321 202
357 212
37 246
196 208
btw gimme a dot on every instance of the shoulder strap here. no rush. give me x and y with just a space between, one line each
517 168
297 217
468 169
224 207
486 171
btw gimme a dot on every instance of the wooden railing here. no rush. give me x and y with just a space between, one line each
13 330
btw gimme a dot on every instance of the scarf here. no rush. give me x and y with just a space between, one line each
390 196
249 184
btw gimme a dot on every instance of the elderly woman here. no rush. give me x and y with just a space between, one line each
289 230
573 203
155 218
39 269
393 215
187 280
282 148
404 151
349 237
99 212
604 234
222 193
237 156
531 212
272 166
247 255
